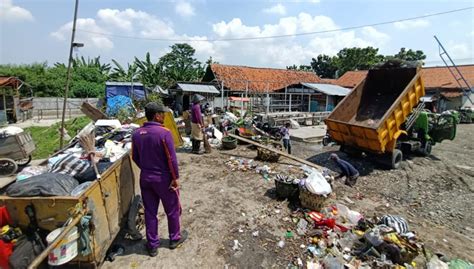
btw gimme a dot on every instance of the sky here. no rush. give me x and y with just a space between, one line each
40 30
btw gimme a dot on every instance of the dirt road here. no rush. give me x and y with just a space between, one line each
219 206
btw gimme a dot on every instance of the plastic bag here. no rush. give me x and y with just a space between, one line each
31 171
352 216
317 184
459 264
436 263
47 184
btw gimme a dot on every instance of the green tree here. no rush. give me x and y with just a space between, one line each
119 73
91 63
409 55
349 59
325 66
150 74
180 65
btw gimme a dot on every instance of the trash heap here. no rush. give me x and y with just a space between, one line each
69 173
338 237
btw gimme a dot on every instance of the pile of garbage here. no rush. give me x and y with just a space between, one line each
338 237
71 172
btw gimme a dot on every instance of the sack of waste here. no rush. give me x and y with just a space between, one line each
317 184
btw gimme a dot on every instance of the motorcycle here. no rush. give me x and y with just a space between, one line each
274 132
327 139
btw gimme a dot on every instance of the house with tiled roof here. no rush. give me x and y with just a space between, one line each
440 85
263 86
235 78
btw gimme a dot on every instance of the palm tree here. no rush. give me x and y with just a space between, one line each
150 74
92 63
121 74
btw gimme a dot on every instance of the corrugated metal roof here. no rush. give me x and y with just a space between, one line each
117 83
327 89
198 88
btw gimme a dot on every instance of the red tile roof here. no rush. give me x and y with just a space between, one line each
328 81
440 77
433 77
259 79
351 79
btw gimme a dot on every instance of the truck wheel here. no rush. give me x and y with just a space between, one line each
397 157
426 150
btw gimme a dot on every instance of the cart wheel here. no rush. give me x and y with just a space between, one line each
23 162
7 166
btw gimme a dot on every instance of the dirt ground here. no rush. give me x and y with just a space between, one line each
435 194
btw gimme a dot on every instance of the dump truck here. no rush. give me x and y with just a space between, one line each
383 116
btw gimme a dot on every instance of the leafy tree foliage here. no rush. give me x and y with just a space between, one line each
324 65
350 59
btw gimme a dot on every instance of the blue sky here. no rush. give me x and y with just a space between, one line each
37 31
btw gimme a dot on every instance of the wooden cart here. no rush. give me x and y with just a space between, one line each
15 150
106 200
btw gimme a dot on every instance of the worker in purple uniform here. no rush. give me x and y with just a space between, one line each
155 155
347 170
196 123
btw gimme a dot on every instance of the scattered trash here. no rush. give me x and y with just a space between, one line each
237 245
281 244
302 227
255 234
436 263
289 234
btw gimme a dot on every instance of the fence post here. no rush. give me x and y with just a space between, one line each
57 108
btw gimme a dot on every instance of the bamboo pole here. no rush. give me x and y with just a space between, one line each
37 261
282 153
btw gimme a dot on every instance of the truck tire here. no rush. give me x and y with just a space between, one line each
397 158
426 150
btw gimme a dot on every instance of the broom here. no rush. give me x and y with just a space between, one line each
87 141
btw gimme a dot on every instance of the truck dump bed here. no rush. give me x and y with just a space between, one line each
370 117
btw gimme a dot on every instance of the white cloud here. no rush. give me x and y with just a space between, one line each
460 50
278 9
184 9
12 13
418 23
295 50
90 41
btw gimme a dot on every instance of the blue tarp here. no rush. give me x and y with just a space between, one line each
124 88
117 103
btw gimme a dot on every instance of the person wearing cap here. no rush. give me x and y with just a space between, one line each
154 153
196 123
347 170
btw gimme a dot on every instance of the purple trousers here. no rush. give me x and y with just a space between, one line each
154 191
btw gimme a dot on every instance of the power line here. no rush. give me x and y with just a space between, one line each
277 36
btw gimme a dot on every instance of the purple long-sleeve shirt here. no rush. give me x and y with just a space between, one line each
153 151
196 116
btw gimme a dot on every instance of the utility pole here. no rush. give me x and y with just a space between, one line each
68 78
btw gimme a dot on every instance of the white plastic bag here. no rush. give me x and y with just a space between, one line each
317 184
436 263
352 216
